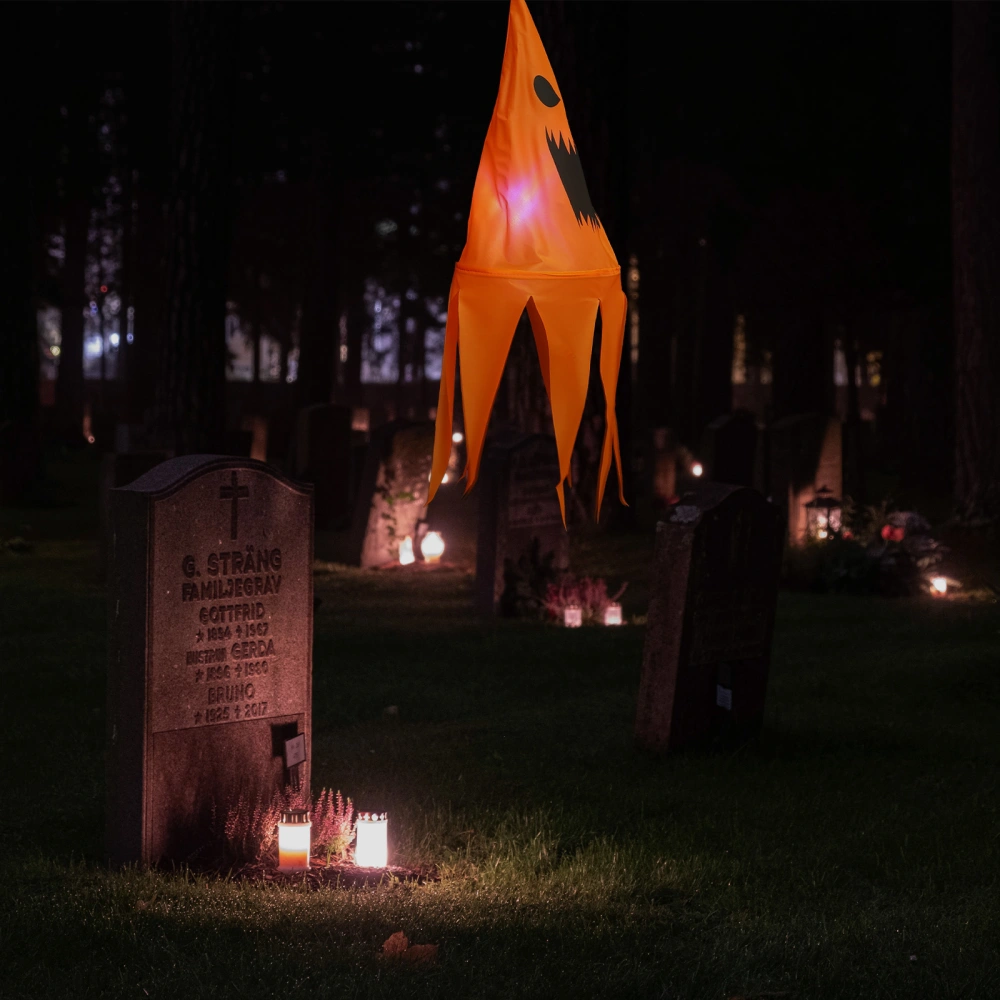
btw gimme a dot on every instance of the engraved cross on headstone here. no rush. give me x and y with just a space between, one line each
235 493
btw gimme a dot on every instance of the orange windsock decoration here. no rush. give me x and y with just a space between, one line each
534 242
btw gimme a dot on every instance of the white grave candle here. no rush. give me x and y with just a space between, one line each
372 848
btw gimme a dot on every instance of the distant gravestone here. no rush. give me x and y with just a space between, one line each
729 452
323 444
711 618
210 649
392 493
805 454
520 525
665 456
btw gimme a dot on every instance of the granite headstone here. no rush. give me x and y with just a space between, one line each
805 454
210 649
711 618
392 494
520 525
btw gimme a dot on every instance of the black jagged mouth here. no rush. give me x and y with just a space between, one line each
567 162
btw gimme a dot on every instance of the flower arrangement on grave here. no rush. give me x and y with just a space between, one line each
333 825
588 594
250 830
875 551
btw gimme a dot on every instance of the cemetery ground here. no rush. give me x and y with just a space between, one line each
852 851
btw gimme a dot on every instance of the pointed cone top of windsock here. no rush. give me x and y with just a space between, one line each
531 210
534 242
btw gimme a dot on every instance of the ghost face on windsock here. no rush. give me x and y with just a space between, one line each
534 241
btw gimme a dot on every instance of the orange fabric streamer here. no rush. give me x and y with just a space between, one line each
534 242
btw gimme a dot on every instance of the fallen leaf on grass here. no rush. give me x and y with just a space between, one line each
398 946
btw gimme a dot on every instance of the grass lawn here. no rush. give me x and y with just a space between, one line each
851 853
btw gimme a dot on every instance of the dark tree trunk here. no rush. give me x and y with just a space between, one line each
190 411
81 179
20 453
800 365
69 381
976 260
320 334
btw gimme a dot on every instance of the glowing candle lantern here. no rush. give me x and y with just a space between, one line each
432 547
697 469
613 614
572 617
406 555
823 515
294 832
939 585
372 848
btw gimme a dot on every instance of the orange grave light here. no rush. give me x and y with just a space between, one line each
534 242
294 832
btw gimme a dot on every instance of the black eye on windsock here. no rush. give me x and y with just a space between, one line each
545 92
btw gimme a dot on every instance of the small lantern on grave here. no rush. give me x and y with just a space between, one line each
406 555
294 832
823 515
572 616
613 614
432 547
372 847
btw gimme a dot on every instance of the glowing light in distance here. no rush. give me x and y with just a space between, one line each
432 546
406 555
697 469
458 437
939 585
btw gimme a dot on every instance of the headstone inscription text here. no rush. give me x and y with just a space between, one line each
211 647
519 517
531 499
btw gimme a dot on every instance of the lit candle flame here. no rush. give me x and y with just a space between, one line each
697 469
